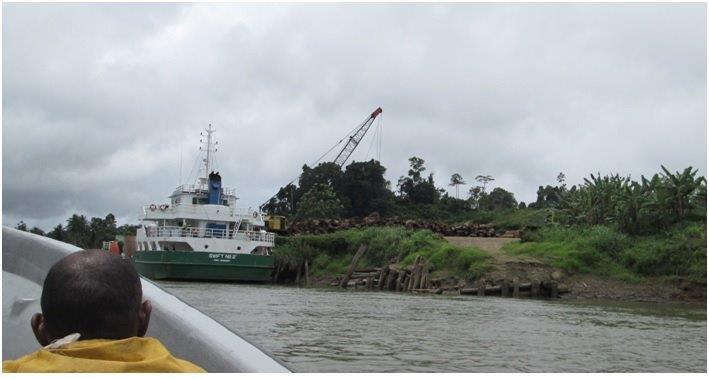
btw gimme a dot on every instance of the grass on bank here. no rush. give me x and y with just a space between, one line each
330 254
678 253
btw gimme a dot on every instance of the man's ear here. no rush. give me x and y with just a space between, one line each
144 317
40 329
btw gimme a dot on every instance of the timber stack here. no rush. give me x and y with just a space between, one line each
466 229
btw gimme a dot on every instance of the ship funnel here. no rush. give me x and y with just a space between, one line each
215 188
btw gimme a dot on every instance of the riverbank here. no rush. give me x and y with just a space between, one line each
463 263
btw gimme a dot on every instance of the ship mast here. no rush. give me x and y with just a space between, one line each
207 148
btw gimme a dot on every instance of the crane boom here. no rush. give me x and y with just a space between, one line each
356 138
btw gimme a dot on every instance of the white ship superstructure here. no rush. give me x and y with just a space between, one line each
204 217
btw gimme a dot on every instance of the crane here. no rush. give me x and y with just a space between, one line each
277 223
356 138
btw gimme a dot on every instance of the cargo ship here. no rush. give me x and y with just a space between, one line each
201 234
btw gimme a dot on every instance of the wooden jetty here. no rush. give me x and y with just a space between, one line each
416 278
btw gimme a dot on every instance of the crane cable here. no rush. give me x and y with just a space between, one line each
318 160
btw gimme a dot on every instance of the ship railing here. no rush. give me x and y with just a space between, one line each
190 232
197 209
191 188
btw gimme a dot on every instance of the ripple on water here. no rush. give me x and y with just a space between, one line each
315 330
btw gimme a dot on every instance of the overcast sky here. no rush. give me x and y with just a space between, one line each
100 101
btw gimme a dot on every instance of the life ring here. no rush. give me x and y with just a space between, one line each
255 214
153 207
163 207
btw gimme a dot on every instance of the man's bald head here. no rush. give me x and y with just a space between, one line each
92 293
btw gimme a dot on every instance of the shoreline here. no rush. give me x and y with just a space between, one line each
583 287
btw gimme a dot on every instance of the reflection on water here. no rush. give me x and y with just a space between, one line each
321 330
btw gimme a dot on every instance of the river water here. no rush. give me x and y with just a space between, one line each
322 330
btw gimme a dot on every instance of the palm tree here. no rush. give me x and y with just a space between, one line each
456 180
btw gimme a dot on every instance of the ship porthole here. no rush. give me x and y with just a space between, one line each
206 246
238 248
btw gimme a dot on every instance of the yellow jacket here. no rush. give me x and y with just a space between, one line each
135 354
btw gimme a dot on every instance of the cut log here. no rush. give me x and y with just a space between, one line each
468 291
355 259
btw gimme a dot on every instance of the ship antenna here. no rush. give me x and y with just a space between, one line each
208 150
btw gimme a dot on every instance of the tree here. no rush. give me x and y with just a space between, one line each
484 179
456 180
498 199
414 188
36 230
58 233
21 226
320 202
78 231
364 189
474 197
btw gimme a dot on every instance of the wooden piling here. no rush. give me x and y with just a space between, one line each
515 287
406 283
355 259
307 277
391 280
400 280
554 293
535 288
383 277
481 288
504 288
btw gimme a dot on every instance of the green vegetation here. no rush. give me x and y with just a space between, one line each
85 233
679 252
329 255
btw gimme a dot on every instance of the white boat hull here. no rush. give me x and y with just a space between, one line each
185 331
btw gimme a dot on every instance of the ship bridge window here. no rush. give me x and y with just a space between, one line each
200 200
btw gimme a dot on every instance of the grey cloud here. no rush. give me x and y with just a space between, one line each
99 100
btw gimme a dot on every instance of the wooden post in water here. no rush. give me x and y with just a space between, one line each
504 288
307 278
554 293
383 277
535 288
515 287
481 288
297 276
353 265
414 269
391 280
406 283
400 280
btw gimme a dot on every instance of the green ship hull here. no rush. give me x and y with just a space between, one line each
203 265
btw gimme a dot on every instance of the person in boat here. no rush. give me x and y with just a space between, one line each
94 320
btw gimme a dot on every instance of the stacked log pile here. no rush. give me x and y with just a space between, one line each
466 229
